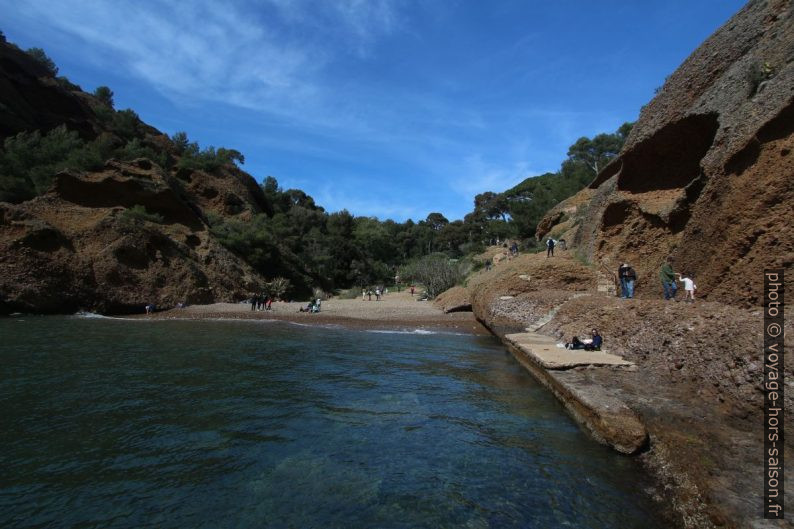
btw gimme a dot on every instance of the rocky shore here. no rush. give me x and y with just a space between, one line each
694 390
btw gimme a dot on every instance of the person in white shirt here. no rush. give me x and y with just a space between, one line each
689 287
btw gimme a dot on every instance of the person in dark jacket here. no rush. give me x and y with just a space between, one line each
667 277
595 345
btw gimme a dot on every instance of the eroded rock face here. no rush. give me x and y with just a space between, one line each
707 174
78 248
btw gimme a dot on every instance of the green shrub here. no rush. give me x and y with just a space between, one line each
126 124
138 213
44 60
29 161
104 95
436 272
136 149
209 159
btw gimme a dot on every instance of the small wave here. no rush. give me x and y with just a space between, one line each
95 316
237 320
415 331
92 315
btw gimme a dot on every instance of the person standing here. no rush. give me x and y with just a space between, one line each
550 247
667 277
622 278
631 278
689 287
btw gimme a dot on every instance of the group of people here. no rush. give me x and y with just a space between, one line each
366 293
628 277
312 306
594 343
261 302
668 277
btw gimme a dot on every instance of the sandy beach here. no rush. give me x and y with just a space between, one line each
397 310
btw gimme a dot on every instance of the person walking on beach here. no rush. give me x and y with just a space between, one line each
550 247
667 277
363 294
253 302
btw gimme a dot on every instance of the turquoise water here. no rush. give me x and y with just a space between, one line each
222 424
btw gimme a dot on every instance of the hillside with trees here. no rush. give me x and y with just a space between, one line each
56 138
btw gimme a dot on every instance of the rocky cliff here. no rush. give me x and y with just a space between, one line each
707 173
121 236
706 176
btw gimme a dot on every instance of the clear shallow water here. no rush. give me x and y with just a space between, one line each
247 424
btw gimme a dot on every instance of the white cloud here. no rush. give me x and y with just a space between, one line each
477 175
369 202
266 59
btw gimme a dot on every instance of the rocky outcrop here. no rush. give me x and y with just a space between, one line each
128 234
456 299
83 247
695 389
707 173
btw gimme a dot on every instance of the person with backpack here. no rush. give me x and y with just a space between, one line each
550 248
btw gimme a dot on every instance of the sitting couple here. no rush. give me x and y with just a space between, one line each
588 345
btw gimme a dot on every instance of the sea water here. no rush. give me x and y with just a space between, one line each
137 423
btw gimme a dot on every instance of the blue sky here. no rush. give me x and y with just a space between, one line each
388 108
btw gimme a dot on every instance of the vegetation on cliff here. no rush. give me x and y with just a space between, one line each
279 232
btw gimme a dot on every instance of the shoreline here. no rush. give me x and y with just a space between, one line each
396 311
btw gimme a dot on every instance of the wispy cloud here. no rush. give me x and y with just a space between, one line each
370 202
476 175
269 60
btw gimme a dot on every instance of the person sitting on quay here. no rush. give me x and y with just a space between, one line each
593 344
